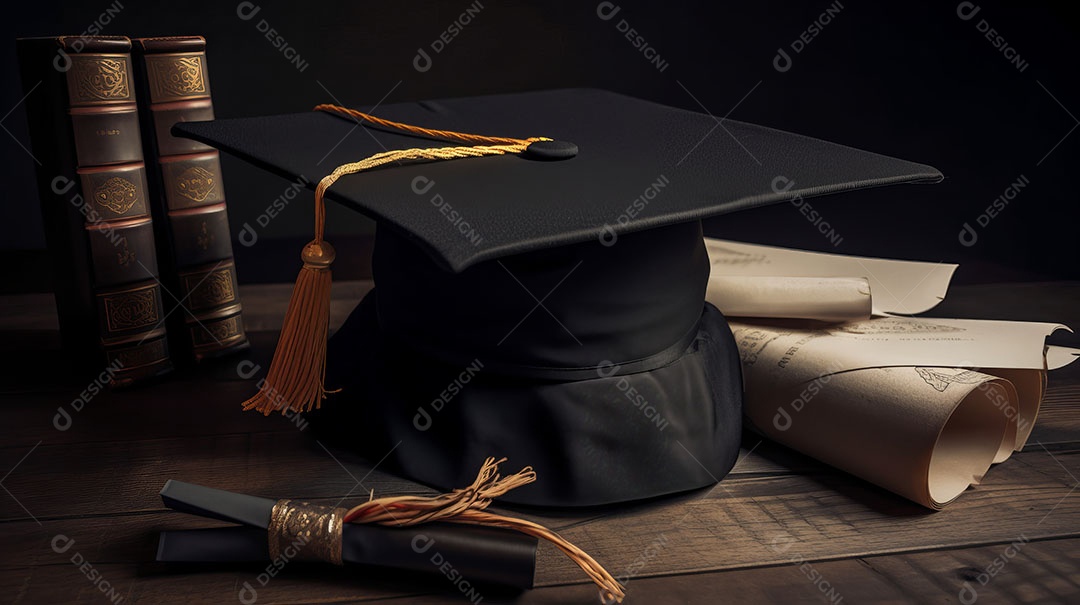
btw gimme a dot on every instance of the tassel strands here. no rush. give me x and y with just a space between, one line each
467 506
297 375
295 380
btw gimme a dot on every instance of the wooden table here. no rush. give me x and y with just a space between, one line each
781 527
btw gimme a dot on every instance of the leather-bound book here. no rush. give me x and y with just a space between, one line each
84 135
187 197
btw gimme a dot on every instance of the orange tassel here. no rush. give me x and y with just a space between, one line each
297 373
296 380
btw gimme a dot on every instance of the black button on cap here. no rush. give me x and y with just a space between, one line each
550 150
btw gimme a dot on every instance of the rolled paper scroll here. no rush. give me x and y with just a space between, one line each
830 299
898 286
893 429
922 407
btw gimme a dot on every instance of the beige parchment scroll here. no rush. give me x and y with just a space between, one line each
831 299
898 401
839 292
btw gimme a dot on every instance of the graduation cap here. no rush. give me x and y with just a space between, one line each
540 294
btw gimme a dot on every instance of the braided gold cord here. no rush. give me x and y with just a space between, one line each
447 135
467 506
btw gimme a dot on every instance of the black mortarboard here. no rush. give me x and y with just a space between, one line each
545 305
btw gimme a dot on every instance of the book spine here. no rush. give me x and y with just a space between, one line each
92 186
188 197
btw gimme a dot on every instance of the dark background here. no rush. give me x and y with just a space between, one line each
912 81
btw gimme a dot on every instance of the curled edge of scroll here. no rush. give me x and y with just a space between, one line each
750 280
926 432
922 407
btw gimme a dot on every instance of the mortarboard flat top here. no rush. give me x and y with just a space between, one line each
513 204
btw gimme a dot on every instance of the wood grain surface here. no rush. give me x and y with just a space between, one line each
780 528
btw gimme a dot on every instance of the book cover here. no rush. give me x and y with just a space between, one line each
187 199
93 193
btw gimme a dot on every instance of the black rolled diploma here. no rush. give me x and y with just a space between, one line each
480 554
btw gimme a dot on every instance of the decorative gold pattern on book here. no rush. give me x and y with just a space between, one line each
117 194
130 310
173 76
210 290
124 255
204 238
141 355
195 183
217 332
99 78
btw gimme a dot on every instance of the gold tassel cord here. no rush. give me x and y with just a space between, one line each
467 506
610 589
297 376
446 135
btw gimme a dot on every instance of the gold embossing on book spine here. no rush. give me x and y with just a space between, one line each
201 236
176 76
221 331
94 79
211 332
103 111
141 356
211 288
120 242
107 134
195 183
189 196
123 251
141 353
117 194
133 309
114 192
192 180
